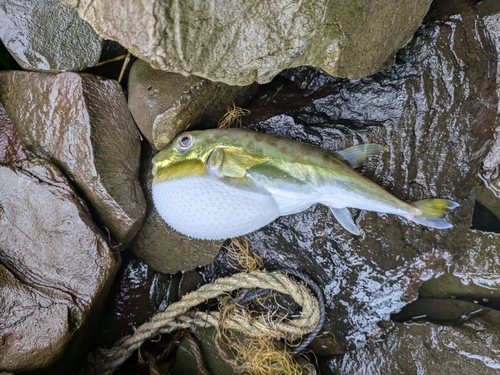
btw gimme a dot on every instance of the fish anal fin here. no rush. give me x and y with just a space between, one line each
355 156
343 216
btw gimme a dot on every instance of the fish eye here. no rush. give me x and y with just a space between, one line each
185 141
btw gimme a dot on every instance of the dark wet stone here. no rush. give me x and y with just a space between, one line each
488 191
11 147
165 104
483 219
470 348
163 248
138 293
186 363
241 42
47 35
82 124
444 311
435 111
476 274
327 345
190 281
55 267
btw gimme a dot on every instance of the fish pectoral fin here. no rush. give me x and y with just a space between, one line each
355 156
233 161
343 216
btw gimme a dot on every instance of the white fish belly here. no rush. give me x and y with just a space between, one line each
205 208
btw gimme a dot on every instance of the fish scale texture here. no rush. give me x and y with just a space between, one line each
205 208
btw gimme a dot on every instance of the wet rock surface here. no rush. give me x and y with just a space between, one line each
81 123
435 110
246 41
139 293
48 35
160 246
11 147
476 274
471 348
445 311
488 191
165 104
55 266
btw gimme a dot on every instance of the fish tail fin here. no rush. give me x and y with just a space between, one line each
433 211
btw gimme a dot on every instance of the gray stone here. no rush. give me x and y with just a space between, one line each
81 123
47 35
475 275
435 111
165 104
55 266
471 348
160 246
240 42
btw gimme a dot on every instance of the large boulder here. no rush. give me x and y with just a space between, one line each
55 267
81 123
48 35
435 111
165 104
239 42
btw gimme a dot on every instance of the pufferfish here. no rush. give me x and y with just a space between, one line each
222 183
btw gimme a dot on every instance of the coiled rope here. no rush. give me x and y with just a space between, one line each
177 315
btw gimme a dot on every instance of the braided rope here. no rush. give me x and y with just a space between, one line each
176 315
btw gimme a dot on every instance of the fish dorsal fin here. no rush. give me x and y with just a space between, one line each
233 161
355 156
343 216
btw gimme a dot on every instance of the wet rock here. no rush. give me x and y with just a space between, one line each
471 348
445 311
11 147
55 267
476 274
435 111
186 362
488 192
82 124
138 294
161 247
245 41
165 104
190 281
47 35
